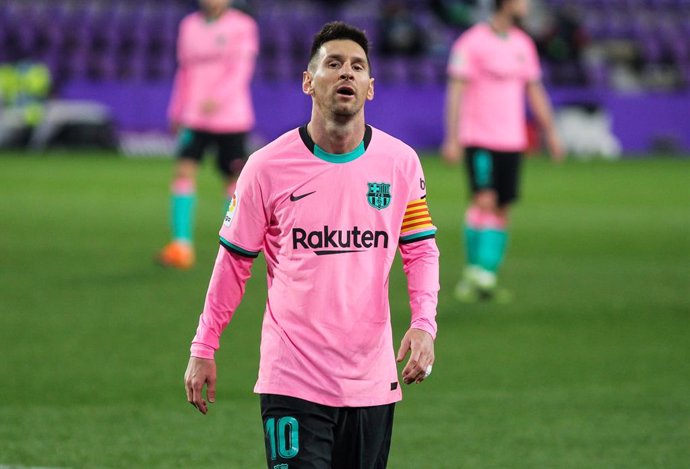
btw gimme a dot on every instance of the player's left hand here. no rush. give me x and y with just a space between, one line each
421 345
553 144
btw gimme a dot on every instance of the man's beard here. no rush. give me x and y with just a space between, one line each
340 110
344 112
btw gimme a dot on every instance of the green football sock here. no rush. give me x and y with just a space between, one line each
182 216
471 245
491 247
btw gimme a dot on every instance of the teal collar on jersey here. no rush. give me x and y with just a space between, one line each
499 34
212 19
336 157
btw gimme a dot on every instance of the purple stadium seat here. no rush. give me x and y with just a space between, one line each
651 50
280 40
679 49
102 68
424 70
137 68
263 69
136 39
685 74
52 62
77 68
391 69
590 74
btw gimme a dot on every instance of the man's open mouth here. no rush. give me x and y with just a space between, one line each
345 91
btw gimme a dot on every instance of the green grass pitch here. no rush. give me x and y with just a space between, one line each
589 367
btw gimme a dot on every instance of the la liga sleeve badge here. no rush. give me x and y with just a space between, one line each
231 210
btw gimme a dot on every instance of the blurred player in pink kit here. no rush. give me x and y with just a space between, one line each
210 105
329 204
492 66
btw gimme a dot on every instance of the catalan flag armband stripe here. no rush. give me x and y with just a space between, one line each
417 222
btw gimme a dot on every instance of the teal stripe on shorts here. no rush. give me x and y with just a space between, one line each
483 168
184 138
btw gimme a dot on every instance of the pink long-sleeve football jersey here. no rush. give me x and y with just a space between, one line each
496 70
215 65
329 227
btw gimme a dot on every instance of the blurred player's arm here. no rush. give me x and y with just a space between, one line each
541 108
180 83
462 69
451 151
177 98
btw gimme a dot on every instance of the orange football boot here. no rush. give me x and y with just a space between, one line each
177 255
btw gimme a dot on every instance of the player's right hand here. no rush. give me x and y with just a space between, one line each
451 151
209 107
200 371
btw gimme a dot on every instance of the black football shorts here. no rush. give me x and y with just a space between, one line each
231 148
300 434
494 170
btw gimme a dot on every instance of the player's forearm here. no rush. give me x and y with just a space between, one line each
225 292
541 106
420 263
452 109
177 96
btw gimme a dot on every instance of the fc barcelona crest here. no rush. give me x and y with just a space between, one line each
379 195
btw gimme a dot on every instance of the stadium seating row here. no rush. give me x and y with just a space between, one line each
135 40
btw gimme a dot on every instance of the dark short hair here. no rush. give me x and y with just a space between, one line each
498 4
337 30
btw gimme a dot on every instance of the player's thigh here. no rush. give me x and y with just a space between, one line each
186 168
192 144
363 437
479 165
297 433
508 166
481 177
232 153
486 200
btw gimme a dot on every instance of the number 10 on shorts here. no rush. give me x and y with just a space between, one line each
283 440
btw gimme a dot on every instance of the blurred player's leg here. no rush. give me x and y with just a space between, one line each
493 181
179 253
232 154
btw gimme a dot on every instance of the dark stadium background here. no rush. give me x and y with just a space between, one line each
588 367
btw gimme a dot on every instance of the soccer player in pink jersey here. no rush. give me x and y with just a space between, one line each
329 204
492 65
210 105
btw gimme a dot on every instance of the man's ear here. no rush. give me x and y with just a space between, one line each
306 83
370 91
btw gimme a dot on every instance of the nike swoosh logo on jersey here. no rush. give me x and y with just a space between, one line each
295 198
328 253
